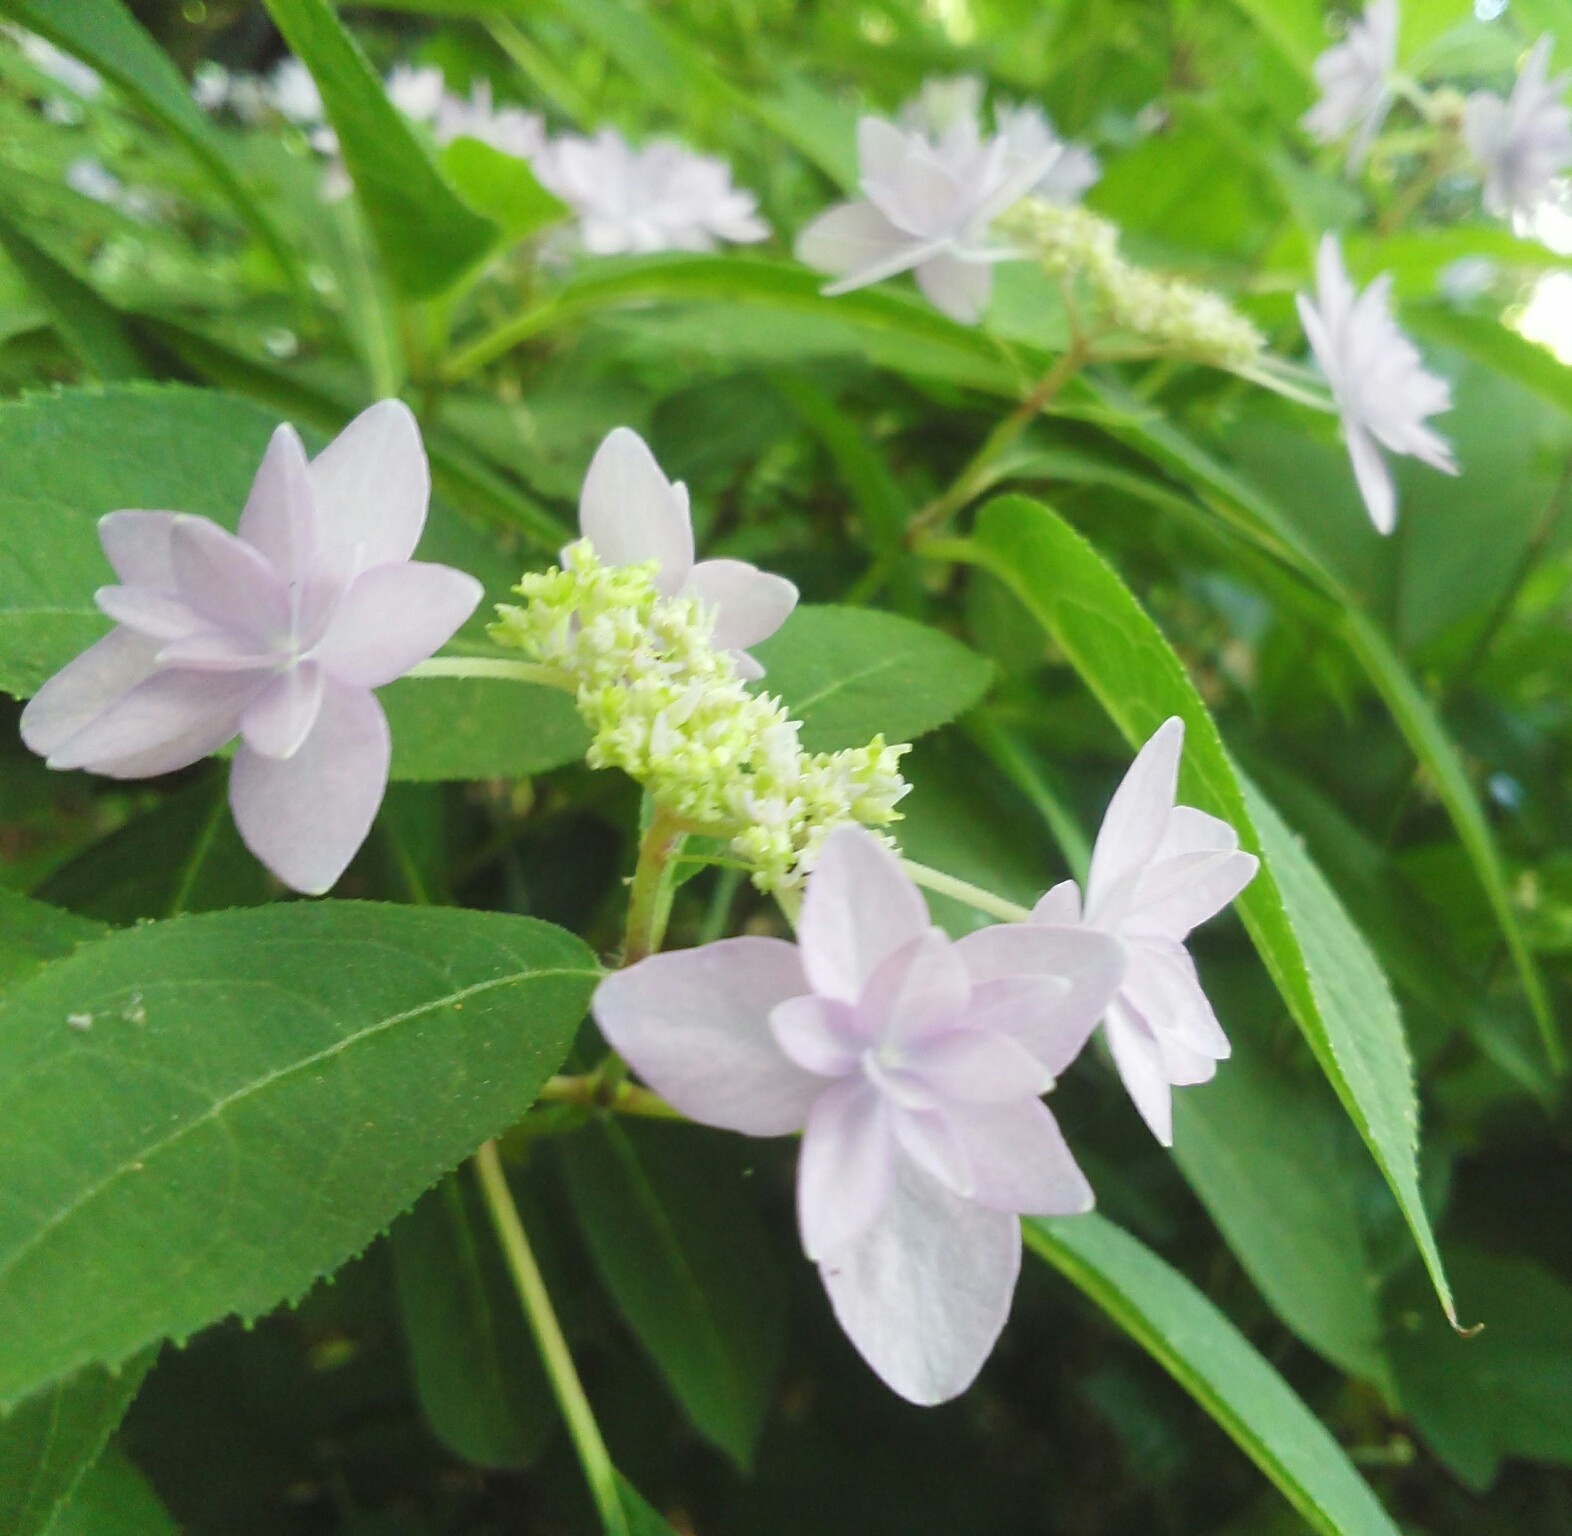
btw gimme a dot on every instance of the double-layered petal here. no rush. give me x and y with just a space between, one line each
277 633
1381 388
631 513
1158 869
1355 80
914 1068
1522 143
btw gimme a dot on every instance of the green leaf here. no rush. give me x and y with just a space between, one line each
1266 1152
106 35
73 456
51 1439
1321 964
852 673
87 323
428 237
267 1090
643 1518
31 934
482 1387
1502 1391
685 1256
113 1499
1217 1365
500 186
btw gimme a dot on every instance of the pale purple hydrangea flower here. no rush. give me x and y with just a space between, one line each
278 632
1032 139
510 130
1521 143
631 513
927 208
913 1066
1355 80
1379 383
660 196
1158 869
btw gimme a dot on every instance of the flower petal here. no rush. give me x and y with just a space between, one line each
277 722
1372 476
85 687
632 513
171 720
695 1025
306 816
1134 821
819 1035
847 1165
1140 1062
859 909
371 485
978 1066
1017 1159
148 610
956 288
392 617
1162 985
857 245
1061 906
1197 871
1078 971
279 518
924 1292
136 544
225 581
749 604
920 989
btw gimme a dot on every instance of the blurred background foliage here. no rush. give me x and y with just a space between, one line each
804 442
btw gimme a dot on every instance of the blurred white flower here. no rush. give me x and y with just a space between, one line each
1381 387
927 208
91 178
78 78
658 197
211 85
1521 143
1030 135
1354 77
293 94
942 102
416 91
511 130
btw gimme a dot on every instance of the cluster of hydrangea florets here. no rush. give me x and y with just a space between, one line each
654 645
667 707
1180 317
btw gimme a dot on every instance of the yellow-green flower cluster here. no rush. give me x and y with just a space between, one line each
667 707
1178 316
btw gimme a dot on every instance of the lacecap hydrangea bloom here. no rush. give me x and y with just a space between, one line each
660 196
278 633
1523 142
928 207
653 652
1379 383
1158 870
1355 79
914 1068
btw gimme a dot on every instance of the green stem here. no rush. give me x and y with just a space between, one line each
973 895
493 666
554 1352
599 1090
976 474
649 903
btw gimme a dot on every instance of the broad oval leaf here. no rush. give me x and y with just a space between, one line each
200 1117
50 1441
689 1263
852 673
113 1499
428 237
1218 1366
32 933
1320 962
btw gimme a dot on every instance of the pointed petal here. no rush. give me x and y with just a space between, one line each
136 544
226 582
173 719
279 519
1163 987
147 610
392 617
371 485
847 1165
1197 871
924 1292
1054 1022
820 1036
85 687
632 513
1017 1159
920 989
695 1025
1061 906
882 149
856 243
978 1066
306 816
749 604
956 288
859 909
1372 476
1140 1063
277 722
1134 821
217 650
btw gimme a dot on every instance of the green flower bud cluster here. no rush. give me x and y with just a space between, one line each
1185 319
667 707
